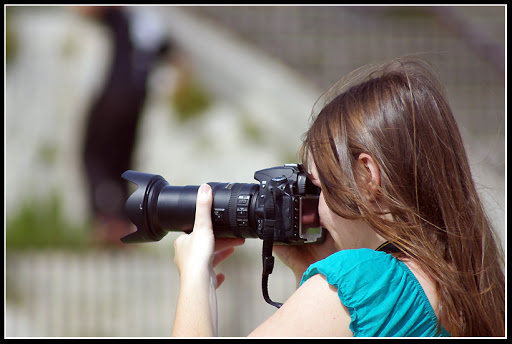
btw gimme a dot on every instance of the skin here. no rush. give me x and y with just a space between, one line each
314 309
196 255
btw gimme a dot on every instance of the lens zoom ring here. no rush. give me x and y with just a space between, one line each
232 209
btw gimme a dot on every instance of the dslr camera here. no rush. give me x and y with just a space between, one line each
281 209
285 199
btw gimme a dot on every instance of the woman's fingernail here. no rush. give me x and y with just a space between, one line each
204 188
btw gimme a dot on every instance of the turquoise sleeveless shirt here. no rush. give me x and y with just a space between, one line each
382 295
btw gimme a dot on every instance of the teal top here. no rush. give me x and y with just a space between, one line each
382 295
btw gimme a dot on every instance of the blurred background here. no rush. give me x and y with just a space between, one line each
229 92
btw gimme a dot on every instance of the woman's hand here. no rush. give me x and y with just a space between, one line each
200 250
196 254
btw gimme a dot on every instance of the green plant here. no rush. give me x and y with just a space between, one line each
44 226
190 99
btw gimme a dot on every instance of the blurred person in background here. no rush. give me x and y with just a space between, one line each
409 250
139 42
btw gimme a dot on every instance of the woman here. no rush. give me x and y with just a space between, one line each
389 159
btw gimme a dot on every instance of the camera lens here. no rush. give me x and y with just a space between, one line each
157 208
233 210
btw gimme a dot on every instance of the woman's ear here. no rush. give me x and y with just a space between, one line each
371 175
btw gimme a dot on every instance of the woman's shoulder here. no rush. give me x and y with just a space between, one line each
381 294
360 272
364 262
361 254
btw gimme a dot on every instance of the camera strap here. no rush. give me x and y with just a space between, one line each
388 248
270 225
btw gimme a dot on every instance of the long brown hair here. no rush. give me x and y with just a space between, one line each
398 113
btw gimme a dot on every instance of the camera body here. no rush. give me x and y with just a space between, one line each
285 202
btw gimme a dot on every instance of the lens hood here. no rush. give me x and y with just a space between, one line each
139 207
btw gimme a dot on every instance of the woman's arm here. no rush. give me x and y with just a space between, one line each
196 311
196 254
313 310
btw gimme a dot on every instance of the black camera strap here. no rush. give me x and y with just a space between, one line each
270 225
388 248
